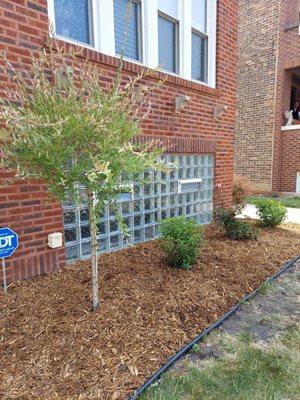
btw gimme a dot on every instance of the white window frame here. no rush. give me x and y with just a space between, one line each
203 36
150 33
182 182
212 42
176 23
141 43
104 36
298 183
92 25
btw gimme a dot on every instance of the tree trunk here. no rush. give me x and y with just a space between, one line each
94 261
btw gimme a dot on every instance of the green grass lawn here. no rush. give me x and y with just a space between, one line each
245 372
290 201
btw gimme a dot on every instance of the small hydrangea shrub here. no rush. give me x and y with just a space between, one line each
235 228
180 241
271 212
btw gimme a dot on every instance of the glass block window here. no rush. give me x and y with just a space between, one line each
133 44
199 57
187 190
73 19
168 44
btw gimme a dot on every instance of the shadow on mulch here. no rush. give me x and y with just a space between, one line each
53 347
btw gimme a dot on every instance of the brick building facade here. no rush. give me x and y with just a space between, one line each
267 87
26 208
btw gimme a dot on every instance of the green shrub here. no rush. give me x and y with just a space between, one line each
196 349
240 230
224 216
236 229
271 212
180 241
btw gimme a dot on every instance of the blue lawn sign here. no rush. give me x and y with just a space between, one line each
8 244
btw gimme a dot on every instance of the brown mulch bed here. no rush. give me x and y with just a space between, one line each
53 347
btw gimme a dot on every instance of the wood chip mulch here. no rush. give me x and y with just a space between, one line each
53 347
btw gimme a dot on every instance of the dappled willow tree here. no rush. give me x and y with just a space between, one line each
62 127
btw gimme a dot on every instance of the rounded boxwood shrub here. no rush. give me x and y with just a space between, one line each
271 212
180 241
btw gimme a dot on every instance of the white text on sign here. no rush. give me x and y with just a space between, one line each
6 241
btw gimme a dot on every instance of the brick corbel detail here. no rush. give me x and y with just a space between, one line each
179 145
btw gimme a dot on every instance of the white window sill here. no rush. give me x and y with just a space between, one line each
165 71
75 42
203 83
290 128
132 60
176 75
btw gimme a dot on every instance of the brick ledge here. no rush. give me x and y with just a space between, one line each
180 144
102 58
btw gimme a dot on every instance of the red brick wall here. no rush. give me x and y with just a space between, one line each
256 86
290 164
284 172
27 209
268 47
291 12
23 24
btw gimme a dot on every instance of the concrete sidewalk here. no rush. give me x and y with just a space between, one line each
293 214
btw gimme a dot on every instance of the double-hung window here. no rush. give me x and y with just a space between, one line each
168 35
128 28
178 36
199 40
73 20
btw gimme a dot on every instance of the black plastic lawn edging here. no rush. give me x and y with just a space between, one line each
209 329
